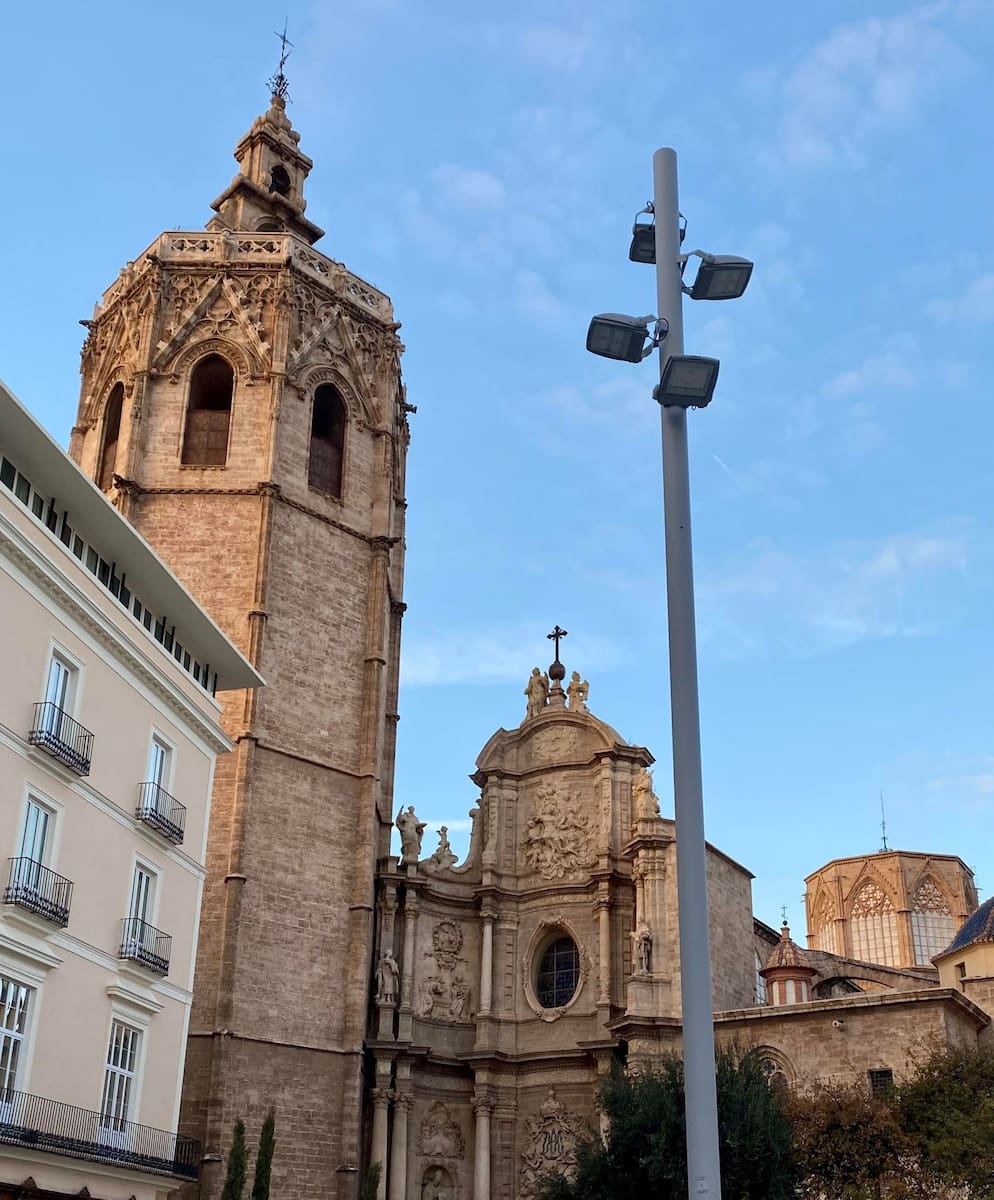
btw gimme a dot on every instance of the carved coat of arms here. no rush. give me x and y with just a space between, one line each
556 841
553 1137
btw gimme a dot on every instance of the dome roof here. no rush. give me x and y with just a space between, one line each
978 927
787 953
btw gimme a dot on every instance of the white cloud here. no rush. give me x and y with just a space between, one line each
536 299
888 371
556 47
467 187
974 305
865 79
489 655
826 599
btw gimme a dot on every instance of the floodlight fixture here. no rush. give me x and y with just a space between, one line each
720 277
617 336
687 381
643 247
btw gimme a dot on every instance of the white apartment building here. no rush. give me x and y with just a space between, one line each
109 731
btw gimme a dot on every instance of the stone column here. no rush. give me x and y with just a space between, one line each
481 1164
378 1150
405 1024
603 909
487 966
398 1148
638 876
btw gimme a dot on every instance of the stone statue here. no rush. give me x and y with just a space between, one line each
432 991
537 691
578 691
459 999
436 1184
411 833
443 856
644 800
387 978
642 945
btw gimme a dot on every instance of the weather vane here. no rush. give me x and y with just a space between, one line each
279 85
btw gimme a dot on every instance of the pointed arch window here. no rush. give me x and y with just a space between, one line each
324 464
932 924
874 926
112 432
208 413
825 928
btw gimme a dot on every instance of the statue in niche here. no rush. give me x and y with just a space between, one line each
537 691
436 1184
443 856
411 832
578 691
642 947
387 978
645 803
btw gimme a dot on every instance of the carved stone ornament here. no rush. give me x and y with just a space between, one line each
440 1136
553 1137
556 840
443 993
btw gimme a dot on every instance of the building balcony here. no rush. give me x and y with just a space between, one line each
55 732
143 944
47 1125
39 890
158 809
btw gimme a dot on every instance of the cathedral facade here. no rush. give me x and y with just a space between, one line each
242 405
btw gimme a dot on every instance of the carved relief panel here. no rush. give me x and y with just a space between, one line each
444 990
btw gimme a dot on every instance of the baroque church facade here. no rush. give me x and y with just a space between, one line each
242 404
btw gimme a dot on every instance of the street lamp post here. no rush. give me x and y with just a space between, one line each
685 381
703 1168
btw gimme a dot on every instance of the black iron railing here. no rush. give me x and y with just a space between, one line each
144 944
55 732
158 809
42 1124
41 891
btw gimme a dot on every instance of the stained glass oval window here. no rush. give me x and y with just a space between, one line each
558 973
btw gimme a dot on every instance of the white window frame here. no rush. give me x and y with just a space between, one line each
165 780
117 1079
56 651
22 1040
29 876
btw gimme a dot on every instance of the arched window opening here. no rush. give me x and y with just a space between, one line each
558 974
932 924
324 465
112 432
279 181
874 926
269 225
208 414
776 1070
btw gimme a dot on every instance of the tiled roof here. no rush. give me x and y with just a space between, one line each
978 927
787 954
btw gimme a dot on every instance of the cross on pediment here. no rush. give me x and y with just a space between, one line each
556 636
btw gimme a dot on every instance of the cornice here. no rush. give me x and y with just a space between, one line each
81 608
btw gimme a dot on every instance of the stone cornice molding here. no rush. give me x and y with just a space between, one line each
73 601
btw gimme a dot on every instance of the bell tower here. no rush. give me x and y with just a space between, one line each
242 404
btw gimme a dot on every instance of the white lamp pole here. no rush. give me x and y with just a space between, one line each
703 1169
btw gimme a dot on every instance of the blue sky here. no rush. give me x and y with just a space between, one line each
482 164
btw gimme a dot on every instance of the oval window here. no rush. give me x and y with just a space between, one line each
558 973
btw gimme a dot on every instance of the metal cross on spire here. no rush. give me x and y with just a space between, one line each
279 85
783 912
556 636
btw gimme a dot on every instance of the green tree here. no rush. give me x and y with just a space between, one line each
848 1145
946 1110
234 1180
370 1181
264 1159
646 1150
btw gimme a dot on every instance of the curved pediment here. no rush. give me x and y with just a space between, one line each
556 737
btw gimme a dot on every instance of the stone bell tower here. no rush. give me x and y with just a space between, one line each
242 405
